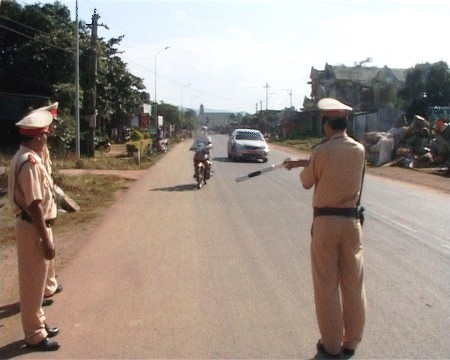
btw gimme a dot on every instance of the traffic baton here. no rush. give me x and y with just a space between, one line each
260 172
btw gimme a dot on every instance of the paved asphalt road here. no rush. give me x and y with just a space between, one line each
224 272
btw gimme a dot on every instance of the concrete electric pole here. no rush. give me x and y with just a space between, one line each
91 93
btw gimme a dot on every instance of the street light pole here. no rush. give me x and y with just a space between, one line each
181 107
156 100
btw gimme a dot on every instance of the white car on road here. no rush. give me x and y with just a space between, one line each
247 144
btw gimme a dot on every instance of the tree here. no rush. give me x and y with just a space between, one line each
37 48
170 113
37 58
118 91
426 85
437 86
189 120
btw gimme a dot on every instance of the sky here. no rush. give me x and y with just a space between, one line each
251 55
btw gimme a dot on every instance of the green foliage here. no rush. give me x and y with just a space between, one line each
37 48
136 135
170 113
143 146
189 120
426 85
62 140
131 149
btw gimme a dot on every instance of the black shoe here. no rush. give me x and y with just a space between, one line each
348 352
47 302
322 349
45 345
51 331
59 288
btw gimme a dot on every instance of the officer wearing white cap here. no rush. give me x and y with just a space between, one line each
52 286
335 170
33 202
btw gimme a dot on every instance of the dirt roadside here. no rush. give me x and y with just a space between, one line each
420 177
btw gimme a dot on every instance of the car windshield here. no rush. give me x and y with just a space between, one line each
248 135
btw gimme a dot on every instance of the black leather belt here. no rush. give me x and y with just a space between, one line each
24 216
345 212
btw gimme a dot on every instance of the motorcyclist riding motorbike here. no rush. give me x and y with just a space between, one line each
202 144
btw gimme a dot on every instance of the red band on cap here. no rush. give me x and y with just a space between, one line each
335 113
33 132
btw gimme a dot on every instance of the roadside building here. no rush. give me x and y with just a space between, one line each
371 91
363 88
215 120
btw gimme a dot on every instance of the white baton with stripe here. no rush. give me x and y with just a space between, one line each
260 172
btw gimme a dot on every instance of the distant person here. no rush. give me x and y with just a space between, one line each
203 142
335 170
203 135
32 197
440 144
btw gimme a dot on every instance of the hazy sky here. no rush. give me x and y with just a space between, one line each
223 53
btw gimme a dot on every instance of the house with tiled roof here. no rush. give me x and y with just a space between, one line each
371 91
364 88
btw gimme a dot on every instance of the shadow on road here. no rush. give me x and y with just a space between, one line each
221 159
9 310
240 160
14 350
184 187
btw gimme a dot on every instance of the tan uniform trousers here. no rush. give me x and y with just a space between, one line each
337 269
32 277
51 283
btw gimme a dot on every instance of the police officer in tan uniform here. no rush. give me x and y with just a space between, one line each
33 202
52 286
335 170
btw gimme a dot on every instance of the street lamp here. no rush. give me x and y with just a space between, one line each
181 107
156 100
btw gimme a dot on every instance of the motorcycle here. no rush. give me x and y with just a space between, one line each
202 164
102 144
161 145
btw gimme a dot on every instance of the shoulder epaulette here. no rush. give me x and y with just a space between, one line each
32 159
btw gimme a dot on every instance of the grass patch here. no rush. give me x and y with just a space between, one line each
305 144
119 158
103 163
93 193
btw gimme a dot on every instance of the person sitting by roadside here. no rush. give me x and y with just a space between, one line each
440 144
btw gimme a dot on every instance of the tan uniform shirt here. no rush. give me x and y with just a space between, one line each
335 171
29 181
45 155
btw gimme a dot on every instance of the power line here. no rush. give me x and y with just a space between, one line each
35 39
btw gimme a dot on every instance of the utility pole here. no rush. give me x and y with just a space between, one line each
290 96
267 95
91 111
77 82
